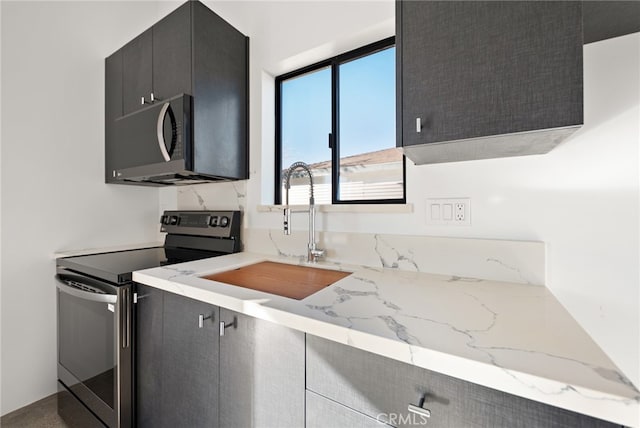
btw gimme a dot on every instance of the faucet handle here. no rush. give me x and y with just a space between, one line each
287 220
315 255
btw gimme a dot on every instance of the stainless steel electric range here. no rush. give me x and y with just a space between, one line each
95 314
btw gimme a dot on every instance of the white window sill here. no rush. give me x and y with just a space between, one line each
344 208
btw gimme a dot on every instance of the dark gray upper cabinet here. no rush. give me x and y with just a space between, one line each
485 79
191 51
137 79
158 61
172 64
607 19
112 109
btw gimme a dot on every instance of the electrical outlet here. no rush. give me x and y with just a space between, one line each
448 211
460 211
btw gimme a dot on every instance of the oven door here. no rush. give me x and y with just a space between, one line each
94 349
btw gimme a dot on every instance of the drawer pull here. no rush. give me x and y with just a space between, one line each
419 410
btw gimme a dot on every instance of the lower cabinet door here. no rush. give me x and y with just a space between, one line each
189 363
262 373
325 413
148 356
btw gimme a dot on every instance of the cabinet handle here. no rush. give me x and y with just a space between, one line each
143 101
419 409
154 99
201 319
224 326
418 125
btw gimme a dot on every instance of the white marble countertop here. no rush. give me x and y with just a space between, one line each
85 251
510 337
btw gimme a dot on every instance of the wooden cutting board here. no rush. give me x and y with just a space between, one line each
295 282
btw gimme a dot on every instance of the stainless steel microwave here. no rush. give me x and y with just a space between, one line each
154 145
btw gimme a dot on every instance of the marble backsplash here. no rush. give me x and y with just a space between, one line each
229 195
501 260
513 261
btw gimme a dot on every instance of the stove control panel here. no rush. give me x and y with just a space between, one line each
220 224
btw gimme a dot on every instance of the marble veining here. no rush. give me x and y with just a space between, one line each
178 272
227 196
513 261
282 253
392 258
516 270
512 337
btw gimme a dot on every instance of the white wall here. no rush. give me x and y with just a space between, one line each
53 195
582 199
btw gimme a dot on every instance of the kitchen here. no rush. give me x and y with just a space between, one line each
581 199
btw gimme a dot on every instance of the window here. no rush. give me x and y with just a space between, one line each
339 117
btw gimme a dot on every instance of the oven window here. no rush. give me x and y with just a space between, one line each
86 344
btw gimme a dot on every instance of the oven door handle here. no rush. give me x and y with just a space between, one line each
86 295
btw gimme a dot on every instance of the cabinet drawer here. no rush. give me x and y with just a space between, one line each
383 388
324 413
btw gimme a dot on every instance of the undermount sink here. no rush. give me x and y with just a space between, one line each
293 281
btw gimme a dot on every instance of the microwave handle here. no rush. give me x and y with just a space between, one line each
160 132
86 295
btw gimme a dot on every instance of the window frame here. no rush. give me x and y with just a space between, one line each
334 140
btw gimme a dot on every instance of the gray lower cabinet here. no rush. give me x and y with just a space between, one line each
325 413
383 389
177 353
262 373
190 363
148 339
201 366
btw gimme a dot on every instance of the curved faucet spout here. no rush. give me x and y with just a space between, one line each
287 179
313 253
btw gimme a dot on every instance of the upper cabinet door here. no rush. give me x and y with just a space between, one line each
137 72
476 69
172 54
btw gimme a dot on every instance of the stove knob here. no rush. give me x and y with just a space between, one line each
173 220
224 221
164 219
214 221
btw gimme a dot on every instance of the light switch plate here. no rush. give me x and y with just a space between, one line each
448 211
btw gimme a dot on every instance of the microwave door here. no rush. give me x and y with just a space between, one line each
152 141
